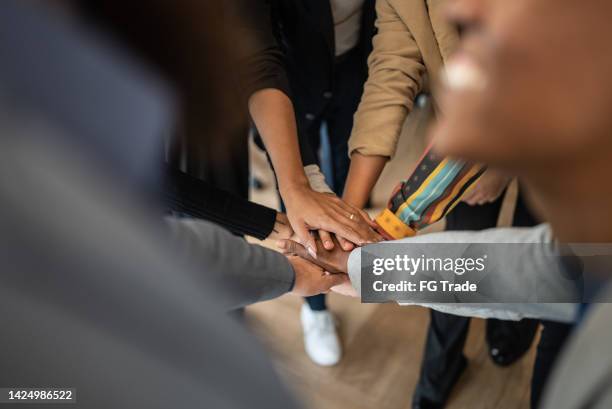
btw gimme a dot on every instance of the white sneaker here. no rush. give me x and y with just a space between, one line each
320 338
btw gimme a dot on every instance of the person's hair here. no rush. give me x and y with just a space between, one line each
188 43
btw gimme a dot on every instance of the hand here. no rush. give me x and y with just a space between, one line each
282 228
334 261
346 289
313 280
310 210
487 189
328 242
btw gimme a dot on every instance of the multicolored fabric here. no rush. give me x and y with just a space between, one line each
435 186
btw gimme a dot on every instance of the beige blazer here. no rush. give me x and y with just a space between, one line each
412 44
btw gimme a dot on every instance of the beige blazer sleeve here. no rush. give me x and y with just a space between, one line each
396 72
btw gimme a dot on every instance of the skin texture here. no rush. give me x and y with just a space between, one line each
311 279
543 113
273 114
334 261
363 174
282 228
489 187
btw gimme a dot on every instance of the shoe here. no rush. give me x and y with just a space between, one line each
508 340
320 337
433 393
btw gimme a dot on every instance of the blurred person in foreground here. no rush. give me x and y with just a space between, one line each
504 104
97 293
411 47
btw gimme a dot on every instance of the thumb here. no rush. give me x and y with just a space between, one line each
307 240
291 247
338 279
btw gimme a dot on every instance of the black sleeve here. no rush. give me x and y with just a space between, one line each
261 62
306 151
199 199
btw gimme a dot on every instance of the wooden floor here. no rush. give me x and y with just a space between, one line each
382 343
382 353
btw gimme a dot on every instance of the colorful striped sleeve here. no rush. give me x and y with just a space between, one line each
435 186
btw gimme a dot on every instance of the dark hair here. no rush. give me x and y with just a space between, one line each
188 43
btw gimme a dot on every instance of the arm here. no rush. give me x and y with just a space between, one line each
250 273
363 174
350 262
267 90
272 111
196 198
395 78
561 312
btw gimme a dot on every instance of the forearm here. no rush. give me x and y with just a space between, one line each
249 272
563 312
362 177
272 112
196 198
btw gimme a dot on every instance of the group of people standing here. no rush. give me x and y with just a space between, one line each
353 71
112 278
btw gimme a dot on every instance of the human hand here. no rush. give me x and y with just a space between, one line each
311 279
282 228
310 210
334 261
346 289
328 242
487 189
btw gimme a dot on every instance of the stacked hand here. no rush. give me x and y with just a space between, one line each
311 279
332 262
309 210
317 234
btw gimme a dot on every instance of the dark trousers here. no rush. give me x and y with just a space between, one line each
338 118
337 115
443 359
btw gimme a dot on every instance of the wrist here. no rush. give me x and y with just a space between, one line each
293 185
344 261
357 199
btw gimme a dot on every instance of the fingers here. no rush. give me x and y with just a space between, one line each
329 213
366 217
292 247
345 244
473 197
359 226
326 239
468 197
334 280
376 237
304 235
479 199
281 229
341 225
345 221
373 236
